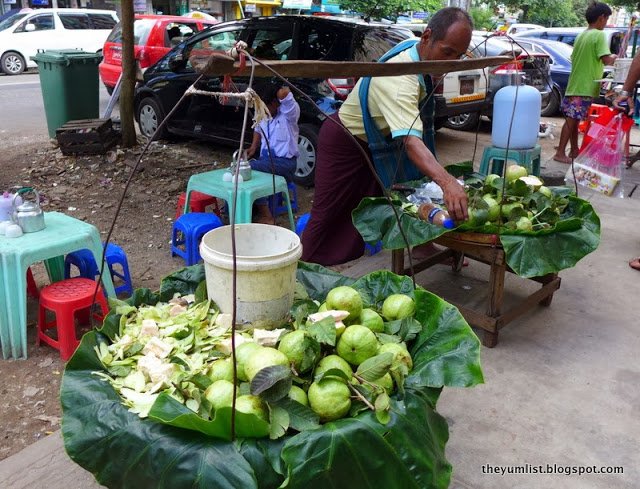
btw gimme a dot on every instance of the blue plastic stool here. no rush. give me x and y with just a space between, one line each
493 159
278 206
372 249
302 223
88 268
188 230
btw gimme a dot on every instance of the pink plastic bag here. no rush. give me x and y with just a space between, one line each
600 164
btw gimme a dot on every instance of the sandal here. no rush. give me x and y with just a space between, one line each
635 263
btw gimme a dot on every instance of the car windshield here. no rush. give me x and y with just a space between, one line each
11 21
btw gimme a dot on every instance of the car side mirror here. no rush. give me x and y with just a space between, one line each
177 62
30 27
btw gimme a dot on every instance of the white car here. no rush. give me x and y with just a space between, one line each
23 34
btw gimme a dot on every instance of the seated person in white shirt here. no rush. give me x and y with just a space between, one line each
274 148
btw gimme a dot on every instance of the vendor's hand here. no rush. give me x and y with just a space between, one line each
455 198
251 150
624 99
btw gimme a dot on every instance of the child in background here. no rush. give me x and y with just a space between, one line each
276 140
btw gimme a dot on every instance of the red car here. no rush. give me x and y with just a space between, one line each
155 36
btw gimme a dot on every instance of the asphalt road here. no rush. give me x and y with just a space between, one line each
22 112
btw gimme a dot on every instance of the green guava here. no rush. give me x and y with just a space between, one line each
294 346
221 370
299 395
398 306
333 362
400 353
356 344
264 357
243 352
250 404
345 298
330 399
514 172
219 394
372 320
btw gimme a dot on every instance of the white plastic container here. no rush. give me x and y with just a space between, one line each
526 117
266 259
621 69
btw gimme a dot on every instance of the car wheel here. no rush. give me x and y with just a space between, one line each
12 63
553 104
307 146
150 115
463 122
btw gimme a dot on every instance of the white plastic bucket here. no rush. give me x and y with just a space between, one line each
266 261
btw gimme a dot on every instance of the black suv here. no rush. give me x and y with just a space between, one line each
279 38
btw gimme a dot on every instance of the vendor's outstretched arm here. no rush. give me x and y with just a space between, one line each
455 197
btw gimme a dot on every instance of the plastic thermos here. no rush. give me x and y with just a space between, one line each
435 215
516 117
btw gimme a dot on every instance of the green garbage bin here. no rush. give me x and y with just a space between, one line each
69 83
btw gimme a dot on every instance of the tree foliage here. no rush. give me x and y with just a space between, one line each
389 9
483 18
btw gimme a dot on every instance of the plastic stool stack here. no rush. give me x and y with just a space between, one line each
67 299
595 111
493 159
198 202
278 206
87 267
188 230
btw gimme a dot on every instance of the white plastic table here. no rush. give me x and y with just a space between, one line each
62 235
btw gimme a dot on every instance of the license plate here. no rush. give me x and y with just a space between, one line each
466 86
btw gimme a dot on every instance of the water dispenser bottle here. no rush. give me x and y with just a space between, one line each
523 120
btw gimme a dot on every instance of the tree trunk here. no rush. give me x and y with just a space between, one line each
128 77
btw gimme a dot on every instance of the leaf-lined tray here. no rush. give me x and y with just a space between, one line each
125 451
528 253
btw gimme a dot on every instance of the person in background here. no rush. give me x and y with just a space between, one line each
274 147
392 108
627 96
590 53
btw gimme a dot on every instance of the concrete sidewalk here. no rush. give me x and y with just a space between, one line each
561 386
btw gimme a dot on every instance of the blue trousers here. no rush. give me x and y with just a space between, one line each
285 167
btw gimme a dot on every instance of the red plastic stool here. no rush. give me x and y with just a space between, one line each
67 298
595 111
197 203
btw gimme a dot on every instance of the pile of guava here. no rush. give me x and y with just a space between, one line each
331 360
518 201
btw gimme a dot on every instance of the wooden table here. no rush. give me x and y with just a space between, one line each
485 248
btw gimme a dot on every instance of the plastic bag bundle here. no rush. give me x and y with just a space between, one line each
600 164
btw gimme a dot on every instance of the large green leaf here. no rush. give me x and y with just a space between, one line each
319 280
534 256
125 451
528 253
376 221
184 281
406 453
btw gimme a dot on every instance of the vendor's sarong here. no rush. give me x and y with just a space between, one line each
343 178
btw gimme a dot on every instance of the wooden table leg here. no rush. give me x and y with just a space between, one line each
397 261
545 280
496 296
